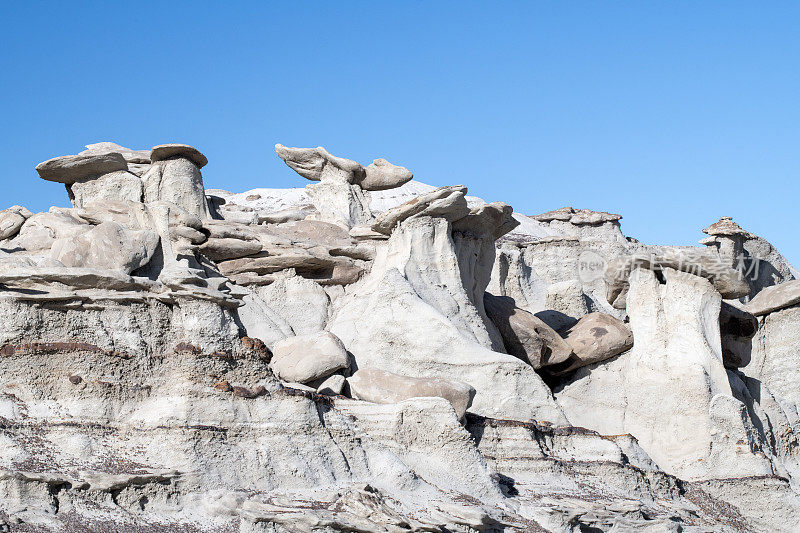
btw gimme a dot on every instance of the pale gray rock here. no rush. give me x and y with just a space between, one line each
261 322
310 357
287 215
565 303
775 358
339 202
301 302
163 152
108 246
382 175
316 164
524 335
115 186
177 181
594 338
378 386
70 168
11 220
366 233
775 298
445 202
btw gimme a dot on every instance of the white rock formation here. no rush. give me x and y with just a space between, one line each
176 359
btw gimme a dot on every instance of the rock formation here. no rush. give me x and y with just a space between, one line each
370 353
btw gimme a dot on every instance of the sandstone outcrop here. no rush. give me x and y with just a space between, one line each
371 353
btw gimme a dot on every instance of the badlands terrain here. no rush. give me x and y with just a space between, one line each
372 354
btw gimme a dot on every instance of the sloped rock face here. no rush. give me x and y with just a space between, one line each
329 359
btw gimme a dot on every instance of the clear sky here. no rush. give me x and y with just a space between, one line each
670 113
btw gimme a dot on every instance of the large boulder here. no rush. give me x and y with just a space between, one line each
307 358
594 338
229 248
382 175
108 246
524 335
378 386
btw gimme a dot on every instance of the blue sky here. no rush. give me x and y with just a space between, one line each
670 113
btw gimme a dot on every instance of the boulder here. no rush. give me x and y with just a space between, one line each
524 335
108 246
775 298
307 358
11 220
382 175
163 152
378 386
276 259
445 202
594 338
70 168
317 164
585 224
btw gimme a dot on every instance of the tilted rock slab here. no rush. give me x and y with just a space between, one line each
775 298
524 335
